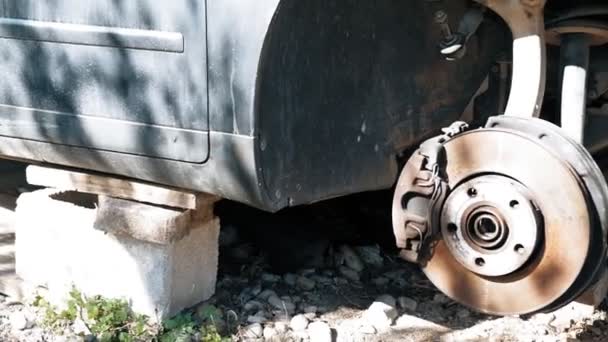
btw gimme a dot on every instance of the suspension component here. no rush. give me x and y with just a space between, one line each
453 44
526 20
574 69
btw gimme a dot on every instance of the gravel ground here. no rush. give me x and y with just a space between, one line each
333 288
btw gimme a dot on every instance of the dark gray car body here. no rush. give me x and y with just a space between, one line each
270 103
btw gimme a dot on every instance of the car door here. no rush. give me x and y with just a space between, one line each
120 76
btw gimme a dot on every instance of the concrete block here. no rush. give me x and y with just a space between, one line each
162 260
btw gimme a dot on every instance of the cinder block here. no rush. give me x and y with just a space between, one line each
161 260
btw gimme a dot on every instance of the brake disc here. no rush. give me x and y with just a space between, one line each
521 225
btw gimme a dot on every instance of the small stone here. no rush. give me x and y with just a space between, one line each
270 278
253 305
19 321
323 309
413 323
463 313
311 316
280 327
572 312
281 315
328 273
322 280
256 290
310 309
264 295
349 274
395 275
401 283
351 259
307 272
388 300
245 296
290 279
282 304
381 315
370 255
320 332
380 281
440 299
407 303
341 281
298 323
254 331
544 318
269 333
259 317
299 336
305 283
367 329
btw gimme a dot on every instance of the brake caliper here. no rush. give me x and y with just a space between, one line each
424 187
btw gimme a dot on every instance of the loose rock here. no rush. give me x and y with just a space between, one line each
381 315
388 300
349 274
413 323
351 259
280 327
269 333
380 281
396 275
256 290
20 321
320 332
407 303
367 329
282 304
307 272
290 279
463 313
440 299
310 309
322 280
298 323
254 331
305 283
266 294
270 278
253 305
259 317
544 318
370 255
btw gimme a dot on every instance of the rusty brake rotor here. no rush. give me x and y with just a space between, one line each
518 224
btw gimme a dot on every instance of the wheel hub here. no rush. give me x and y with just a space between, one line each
490 225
